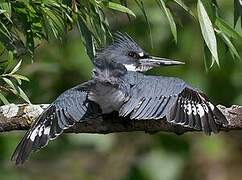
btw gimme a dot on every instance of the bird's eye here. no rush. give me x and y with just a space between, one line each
133 55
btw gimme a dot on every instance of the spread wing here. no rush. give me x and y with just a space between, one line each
156 98
69 108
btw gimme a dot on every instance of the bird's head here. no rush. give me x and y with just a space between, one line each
127 52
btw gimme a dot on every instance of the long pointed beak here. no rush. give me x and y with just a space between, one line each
157 61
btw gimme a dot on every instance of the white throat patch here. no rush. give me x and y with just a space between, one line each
130 67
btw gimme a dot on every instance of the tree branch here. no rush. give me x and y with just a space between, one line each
20 117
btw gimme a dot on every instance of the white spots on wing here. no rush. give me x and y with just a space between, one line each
34 133
41 130
205 108
201 111
188 107
211 106
47 130
10 110
194 109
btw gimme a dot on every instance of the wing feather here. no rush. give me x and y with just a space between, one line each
141 109
195 111
161 108
150 109
69 108
156 98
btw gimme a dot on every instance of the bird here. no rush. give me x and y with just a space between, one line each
119 84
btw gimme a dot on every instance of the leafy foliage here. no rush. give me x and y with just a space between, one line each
11 80
25 24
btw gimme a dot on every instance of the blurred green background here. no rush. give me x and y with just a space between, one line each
137 155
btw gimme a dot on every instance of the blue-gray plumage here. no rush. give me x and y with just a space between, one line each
118 84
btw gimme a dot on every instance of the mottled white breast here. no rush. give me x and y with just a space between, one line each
109 98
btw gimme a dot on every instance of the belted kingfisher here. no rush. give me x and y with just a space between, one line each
118 84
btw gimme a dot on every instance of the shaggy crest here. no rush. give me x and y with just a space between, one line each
121 41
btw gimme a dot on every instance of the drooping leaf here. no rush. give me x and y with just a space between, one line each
6 7
170 19
10 84
237 11
207 31
16 68
3 99
117 7
211 8
140 4
54 22
185 7
225 28
125 3
4 30
23 95
98 25
86 38
2 11
18 76
234 53
10 62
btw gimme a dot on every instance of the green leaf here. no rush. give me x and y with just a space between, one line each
87 38
225 28
142 8
211 9
237 11
10 61
98 25
184 6
4 30
2 11
18 76
207 31
19 81
3 99
16 68
118 7
11 85
54 21
23 95
170 19
6 7
230 45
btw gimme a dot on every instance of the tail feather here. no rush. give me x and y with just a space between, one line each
36 137
23 150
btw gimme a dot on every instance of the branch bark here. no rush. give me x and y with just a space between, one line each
20 117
